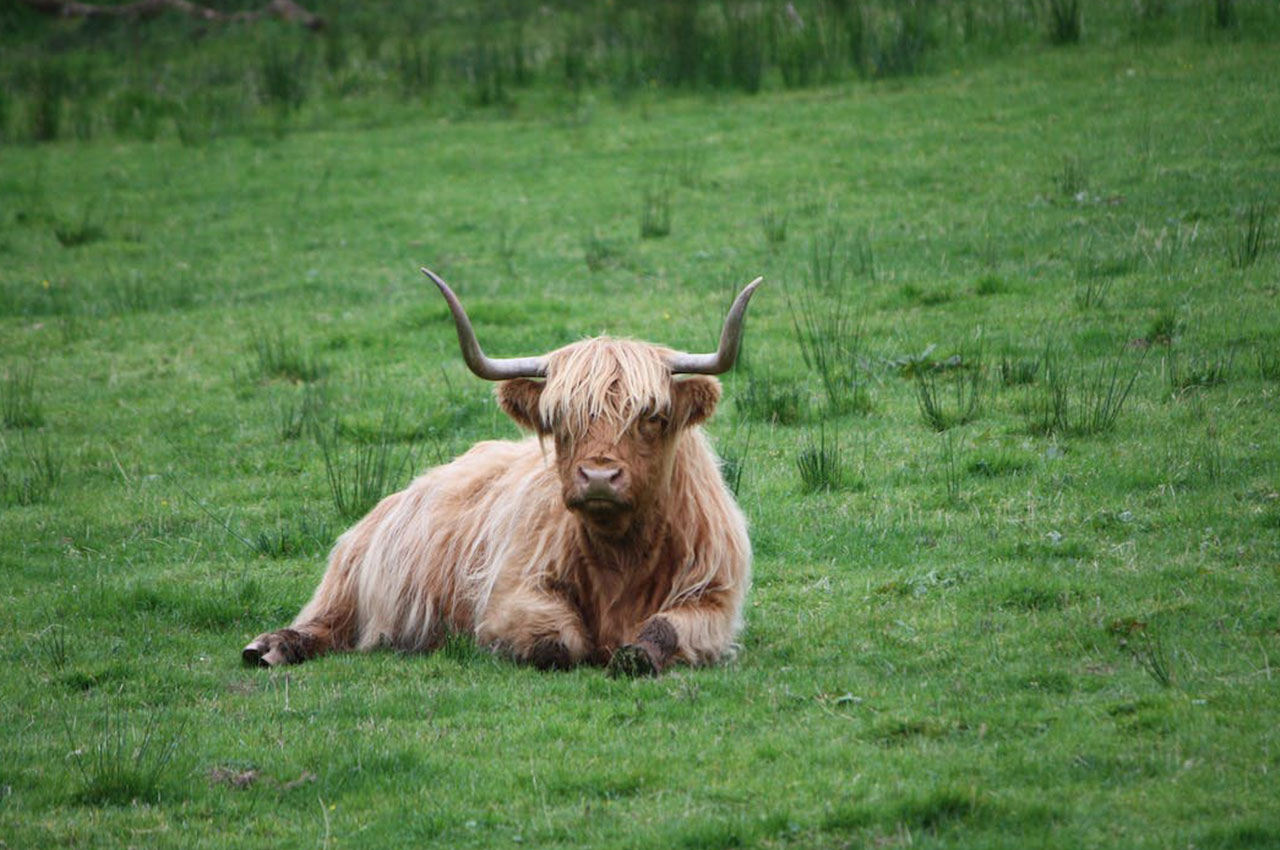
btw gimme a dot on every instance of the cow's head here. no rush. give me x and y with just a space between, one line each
614 408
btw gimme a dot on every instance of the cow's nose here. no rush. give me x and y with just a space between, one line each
599 479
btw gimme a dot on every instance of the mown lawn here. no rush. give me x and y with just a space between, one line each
1050 624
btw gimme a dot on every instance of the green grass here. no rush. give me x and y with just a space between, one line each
1003 636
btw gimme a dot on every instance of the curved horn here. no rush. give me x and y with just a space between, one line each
489 368
723 358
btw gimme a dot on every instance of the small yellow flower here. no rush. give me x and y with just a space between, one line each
45 283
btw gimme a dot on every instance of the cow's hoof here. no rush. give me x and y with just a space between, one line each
632 661
550 654
267 650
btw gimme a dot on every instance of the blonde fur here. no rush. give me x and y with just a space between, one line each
485 544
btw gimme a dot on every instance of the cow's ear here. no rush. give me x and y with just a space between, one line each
695 399
519 398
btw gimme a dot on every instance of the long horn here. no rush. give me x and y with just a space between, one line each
723 358
489 368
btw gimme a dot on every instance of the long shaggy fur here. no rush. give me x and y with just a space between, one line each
485 544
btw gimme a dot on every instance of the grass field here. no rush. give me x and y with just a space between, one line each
1004 429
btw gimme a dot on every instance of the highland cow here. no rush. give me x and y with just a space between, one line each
609 537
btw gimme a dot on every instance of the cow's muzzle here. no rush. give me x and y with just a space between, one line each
600 488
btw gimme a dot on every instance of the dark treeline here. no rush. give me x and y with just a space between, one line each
84 78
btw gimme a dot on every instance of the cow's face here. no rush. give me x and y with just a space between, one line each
614 414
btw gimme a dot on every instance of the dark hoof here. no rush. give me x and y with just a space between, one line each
273 649
550 654
631 661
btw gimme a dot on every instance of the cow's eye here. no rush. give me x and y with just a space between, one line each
653 423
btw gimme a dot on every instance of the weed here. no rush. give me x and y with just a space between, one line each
417 66
951 398
819 463
1092 292
1076 400
282 76
1167 249
303 535
31 475
1018 371
773 222
1254 237
304 413
1072 179
990 284
83 232
1163 328
688 166
655 212
831 343
50 85
733 461
776 402
1268 363
19 406
597 252
506 249
361 475
1222 13
279 355
1198 371
950 463
122 765
1064 21
51 648
1147 649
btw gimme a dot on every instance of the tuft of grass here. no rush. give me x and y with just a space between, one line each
951 467
30 474
951 397
1198 371
279 355
598 253
283 76
831 343
19 406
1253 238
1018 371
1268 363
83 232
1145 647
1091 292
1164 328
990 284
734 459
122 765
360 475
773 223
1077 400
301 535
655 212
51 648
1222 14
304 413
1065 23
819 463
1071 179
776 402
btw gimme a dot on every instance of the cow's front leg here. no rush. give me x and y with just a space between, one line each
535 627
700 632
288 646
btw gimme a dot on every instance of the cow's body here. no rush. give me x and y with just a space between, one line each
610 538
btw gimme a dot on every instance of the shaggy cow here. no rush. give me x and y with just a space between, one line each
622 547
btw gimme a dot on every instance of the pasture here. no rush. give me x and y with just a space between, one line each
1004 428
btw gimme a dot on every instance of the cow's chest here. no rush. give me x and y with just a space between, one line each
615 603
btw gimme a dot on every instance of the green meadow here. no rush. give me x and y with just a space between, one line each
1004 427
